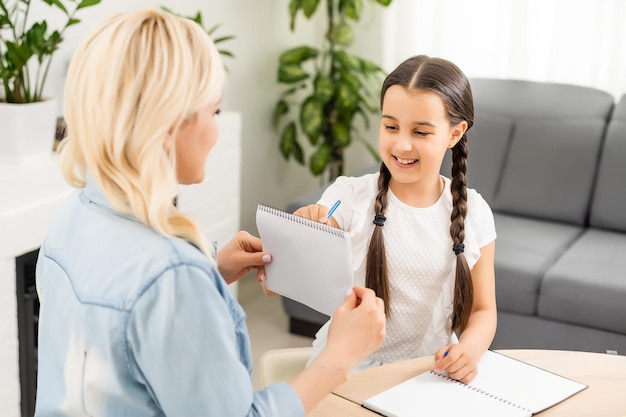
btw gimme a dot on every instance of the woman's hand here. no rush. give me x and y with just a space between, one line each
241 255
458 361
357 328
316 212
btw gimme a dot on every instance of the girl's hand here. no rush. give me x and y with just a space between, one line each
457 361
241 255
316 212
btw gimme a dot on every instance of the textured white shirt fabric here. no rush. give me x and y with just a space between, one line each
420 261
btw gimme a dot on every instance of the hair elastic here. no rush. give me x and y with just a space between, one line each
379 220
458 248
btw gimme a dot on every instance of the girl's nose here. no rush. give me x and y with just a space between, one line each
404 143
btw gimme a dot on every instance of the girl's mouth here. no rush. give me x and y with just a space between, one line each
405 162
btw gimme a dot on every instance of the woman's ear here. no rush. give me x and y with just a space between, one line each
457 133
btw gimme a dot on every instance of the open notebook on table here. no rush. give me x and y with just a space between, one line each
504 387
311 261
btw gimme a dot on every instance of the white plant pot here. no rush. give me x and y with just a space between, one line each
27 130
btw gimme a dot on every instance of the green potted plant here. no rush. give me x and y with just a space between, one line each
330 90
26 51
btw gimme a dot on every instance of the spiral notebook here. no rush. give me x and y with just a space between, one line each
311 261
504 387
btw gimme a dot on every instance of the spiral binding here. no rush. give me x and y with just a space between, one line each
480 391
302 220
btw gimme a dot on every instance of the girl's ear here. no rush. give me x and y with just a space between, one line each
457 133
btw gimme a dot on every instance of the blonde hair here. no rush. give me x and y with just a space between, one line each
132 82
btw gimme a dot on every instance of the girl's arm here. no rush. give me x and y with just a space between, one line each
462 359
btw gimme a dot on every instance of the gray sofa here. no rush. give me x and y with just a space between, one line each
549 158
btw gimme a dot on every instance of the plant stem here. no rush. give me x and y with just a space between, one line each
25 84
42 82
335 165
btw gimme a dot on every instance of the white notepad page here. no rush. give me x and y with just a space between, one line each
311 261
504 387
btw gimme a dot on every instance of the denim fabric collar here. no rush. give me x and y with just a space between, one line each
92 194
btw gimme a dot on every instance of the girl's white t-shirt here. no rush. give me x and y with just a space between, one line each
420 261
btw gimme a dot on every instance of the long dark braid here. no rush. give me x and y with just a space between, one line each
376 276
463 289
448 81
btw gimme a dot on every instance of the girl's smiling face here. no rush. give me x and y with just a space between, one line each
414 134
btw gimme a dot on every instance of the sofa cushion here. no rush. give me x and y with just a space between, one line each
525 249
587 285
550 169
609 200
488 143
540 100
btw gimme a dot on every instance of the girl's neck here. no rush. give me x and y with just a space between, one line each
418 194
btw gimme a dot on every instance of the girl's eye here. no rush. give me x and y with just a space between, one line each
218 111
391 127
420 133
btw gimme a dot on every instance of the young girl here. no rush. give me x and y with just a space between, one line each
423 242
136 317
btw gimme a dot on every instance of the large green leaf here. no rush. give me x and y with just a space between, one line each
352 9
16 54
223 39
226 52
311 118
309 7
297 153
343 34
324 89
319 160
291 73
368 67
280 110
287 139
347 99
346 61
341 134
349 79
4 21
87 3
297 56
384 2
58 4
294 6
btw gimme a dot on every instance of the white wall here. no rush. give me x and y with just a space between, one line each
580 42
262 34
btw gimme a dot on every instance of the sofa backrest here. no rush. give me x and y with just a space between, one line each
534 146
609 199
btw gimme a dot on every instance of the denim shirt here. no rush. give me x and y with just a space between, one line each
134 323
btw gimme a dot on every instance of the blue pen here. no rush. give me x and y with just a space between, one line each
333 208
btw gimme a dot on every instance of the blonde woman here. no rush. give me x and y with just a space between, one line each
136 317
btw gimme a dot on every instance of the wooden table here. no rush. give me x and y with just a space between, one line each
605 375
